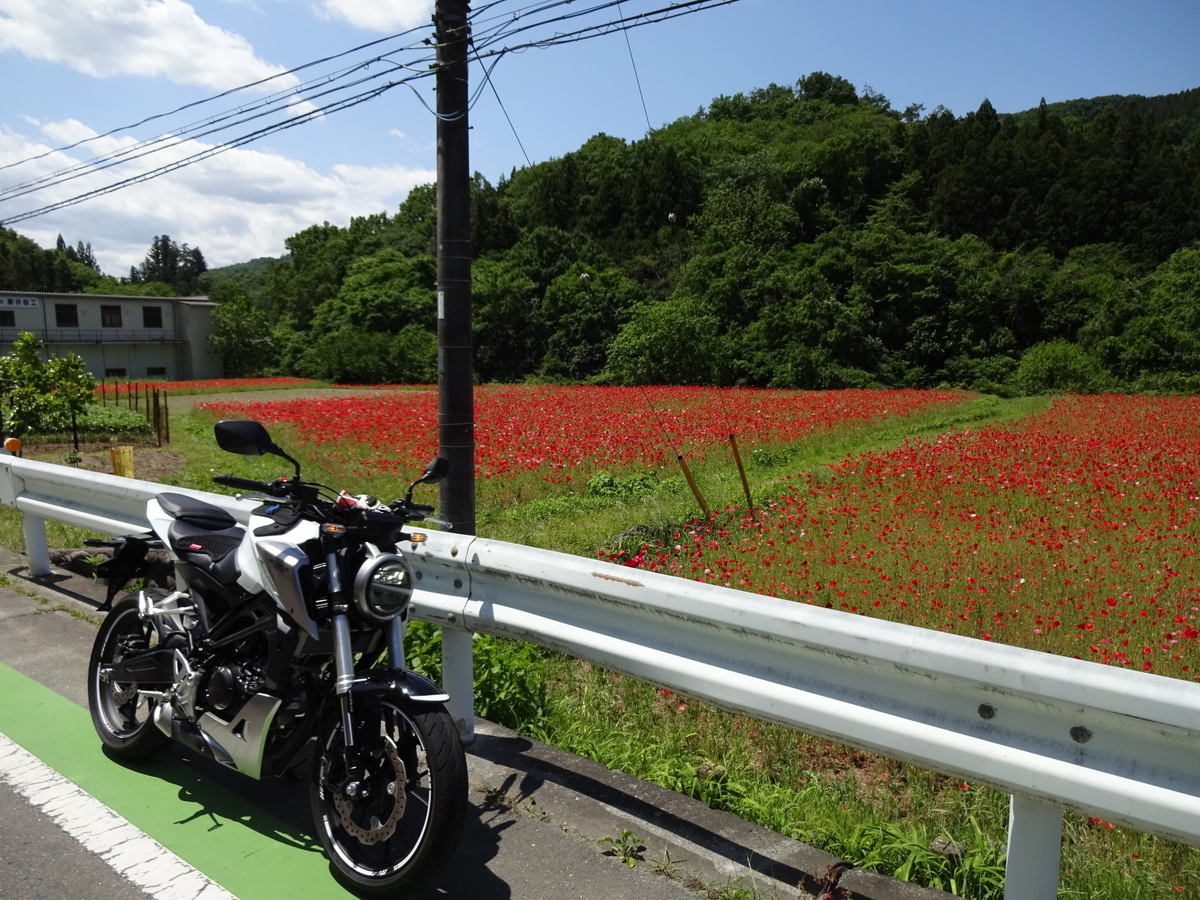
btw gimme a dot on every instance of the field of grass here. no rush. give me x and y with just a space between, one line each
863 807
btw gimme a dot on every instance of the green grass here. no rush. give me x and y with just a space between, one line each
585 523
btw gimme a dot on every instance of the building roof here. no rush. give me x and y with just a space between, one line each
202 298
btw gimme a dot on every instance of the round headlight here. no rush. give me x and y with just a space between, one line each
383 587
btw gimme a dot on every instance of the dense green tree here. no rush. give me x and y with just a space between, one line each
384 292
243 334
674 341
1058 367
353 356
42 395
587 308
509 331
800 236
24 266
172 264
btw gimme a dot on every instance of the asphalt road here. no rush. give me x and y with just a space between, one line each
536 817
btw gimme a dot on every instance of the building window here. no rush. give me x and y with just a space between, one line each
156 371
152 317
114 373
8 318
110 316
66 315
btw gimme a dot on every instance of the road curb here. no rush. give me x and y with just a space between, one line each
710 846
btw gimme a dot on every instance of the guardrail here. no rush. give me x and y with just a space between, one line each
1054 733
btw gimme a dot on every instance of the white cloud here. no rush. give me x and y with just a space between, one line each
236 206
379 15
68 131
151 38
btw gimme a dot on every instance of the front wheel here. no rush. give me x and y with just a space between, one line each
391 827
123 718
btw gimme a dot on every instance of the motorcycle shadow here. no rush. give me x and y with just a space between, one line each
209 791
278 808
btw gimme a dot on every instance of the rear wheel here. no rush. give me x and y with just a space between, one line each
389 830
123 718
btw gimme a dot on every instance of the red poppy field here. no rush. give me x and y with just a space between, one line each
563 433
1071 531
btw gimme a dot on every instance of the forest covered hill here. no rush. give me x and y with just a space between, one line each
796 236
1177 114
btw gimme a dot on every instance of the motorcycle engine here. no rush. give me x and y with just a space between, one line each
237 678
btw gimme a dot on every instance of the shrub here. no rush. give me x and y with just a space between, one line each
1058 367
98 423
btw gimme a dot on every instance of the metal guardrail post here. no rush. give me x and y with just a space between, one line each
1034 849
36 548
458 680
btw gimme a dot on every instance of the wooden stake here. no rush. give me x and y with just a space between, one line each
166 418
122 460
157 418
687 474
737 457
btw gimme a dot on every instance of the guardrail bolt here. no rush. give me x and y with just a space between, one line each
454 551
457 583
986 711
1080 734
449 617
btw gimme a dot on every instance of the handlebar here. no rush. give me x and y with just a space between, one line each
244 484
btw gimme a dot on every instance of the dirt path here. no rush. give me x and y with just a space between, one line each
185 403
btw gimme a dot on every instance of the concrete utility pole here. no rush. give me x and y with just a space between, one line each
456 403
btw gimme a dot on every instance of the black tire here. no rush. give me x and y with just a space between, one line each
424 827
124 721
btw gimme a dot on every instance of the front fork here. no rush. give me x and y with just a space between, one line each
343 656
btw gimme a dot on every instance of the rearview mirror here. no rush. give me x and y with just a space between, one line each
248 438
437 470
244 437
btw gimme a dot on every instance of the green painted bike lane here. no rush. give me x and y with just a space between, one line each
247 851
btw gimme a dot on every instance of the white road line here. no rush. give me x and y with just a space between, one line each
131 852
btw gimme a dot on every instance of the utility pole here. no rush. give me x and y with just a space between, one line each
456 403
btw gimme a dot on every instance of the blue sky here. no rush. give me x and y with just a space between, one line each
72 68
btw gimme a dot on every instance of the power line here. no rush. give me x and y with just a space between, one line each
638 80
211 151
510 26
487 74
168 141
226 93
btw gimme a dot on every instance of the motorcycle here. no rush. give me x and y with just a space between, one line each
254 653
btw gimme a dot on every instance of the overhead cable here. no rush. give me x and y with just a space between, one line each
507 27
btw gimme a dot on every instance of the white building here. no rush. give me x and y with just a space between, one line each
117 336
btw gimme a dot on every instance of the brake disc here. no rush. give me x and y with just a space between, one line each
376 830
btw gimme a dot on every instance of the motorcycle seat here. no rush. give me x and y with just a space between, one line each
207 549
183 508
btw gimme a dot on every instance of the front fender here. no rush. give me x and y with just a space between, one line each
412 686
